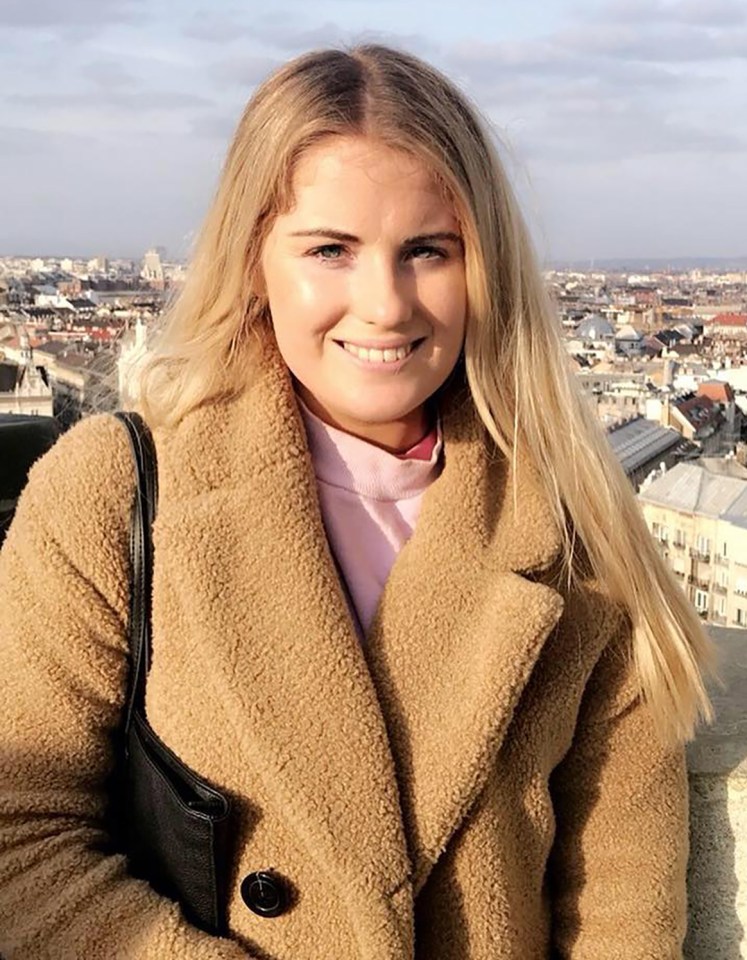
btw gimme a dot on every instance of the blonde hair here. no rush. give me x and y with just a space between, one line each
515 362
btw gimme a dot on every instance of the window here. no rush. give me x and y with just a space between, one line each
741 617
655 529
701 601
723 550
702 544
721 606
740 586
723 578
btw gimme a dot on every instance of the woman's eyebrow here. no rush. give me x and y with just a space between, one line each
420 238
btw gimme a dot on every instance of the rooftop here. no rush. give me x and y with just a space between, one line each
694 488
639 441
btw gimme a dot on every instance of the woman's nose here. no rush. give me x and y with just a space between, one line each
382 293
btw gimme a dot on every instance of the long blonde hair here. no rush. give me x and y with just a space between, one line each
516 365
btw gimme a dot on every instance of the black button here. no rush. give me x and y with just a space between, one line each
264 893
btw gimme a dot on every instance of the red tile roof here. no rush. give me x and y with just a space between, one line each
728 320
717 390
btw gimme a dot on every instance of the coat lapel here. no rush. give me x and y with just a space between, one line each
373 752
458 631
239 513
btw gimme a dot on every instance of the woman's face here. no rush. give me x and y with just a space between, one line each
366 285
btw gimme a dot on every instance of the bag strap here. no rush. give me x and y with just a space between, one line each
141 558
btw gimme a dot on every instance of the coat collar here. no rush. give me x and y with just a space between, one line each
375 751
228 443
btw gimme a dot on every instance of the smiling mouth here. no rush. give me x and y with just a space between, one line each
374 355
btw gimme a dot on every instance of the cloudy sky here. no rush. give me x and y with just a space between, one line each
624 122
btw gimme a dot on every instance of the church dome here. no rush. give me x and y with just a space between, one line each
595 327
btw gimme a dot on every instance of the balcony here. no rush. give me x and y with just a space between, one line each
720 560
700 555
720 588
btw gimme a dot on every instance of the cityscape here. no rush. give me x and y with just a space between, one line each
660 354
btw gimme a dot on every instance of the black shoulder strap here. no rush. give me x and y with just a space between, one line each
141 558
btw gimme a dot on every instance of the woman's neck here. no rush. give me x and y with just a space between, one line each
395 436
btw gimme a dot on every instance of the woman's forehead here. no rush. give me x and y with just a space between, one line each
335 158
355 173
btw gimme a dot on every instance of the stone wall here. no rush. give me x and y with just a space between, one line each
717 762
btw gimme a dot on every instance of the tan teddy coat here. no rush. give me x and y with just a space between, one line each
478 780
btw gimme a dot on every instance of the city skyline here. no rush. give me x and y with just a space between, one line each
623 123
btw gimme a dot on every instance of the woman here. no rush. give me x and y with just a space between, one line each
472 752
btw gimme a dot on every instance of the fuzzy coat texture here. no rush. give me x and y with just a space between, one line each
478 781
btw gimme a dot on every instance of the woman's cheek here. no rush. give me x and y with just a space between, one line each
315 291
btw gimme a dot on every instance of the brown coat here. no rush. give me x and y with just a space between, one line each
479 780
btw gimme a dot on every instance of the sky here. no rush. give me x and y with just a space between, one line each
623 123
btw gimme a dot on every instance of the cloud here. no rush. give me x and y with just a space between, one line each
212 27
108 74
590 134
286 32
705 13
52 13
247 71
629 111
598 92
213 126
515 76
25 142
128 102
672 44
283 32
554 58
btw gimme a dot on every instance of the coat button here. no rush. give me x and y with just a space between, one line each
264 893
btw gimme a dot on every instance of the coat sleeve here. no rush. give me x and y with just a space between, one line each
63 664
618 866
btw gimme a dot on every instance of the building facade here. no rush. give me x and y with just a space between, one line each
697 513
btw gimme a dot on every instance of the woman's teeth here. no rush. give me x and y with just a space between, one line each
379 356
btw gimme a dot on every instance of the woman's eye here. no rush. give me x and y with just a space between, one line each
329 251
426 253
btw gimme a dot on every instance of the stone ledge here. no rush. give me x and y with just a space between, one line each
717 766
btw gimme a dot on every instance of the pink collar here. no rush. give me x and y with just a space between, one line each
346 461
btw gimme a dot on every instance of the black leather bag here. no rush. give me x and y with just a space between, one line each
173 826
23 439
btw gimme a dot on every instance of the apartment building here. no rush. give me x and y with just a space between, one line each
697 513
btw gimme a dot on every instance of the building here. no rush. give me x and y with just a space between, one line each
152 271
697 418
593 338
642 446
628 341
720 393
728 326
697 513
98 265
23 389
132 354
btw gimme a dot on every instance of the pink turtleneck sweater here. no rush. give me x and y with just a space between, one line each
370 500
